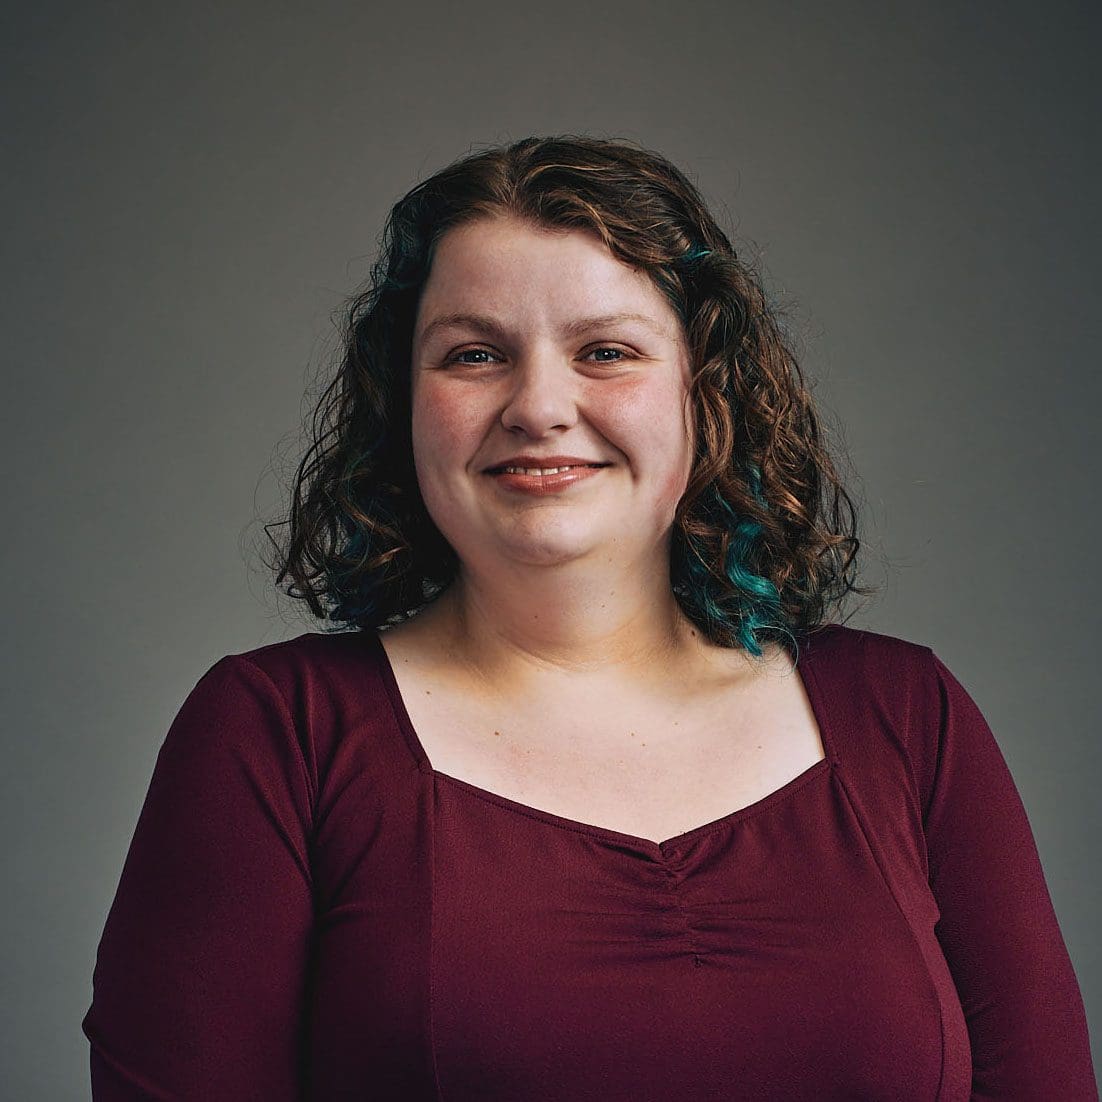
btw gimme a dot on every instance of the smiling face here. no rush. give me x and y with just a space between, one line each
529 371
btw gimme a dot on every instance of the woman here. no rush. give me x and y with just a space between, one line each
596 803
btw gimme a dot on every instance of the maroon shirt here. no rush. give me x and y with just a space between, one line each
309 911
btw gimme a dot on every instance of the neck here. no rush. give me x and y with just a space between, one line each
516 635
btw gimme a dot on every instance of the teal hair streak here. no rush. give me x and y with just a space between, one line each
759 605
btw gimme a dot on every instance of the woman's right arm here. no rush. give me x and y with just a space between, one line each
200 975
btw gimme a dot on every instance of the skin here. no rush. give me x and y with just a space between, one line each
568 591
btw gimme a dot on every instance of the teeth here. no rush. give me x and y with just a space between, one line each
536 470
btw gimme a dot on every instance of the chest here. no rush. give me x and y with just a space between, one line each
515 955
653 768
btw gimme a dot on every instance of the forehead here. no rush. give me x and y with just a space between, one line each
539 275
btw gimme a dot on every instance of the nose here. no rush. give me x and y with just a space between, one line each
543 394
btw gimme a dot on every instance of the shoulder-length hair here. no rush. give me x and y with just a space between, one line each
764 538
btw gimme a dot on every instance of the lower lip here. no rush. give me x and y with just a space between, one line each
545 483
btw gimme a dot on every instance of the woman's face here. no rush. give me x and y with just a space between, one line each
515 351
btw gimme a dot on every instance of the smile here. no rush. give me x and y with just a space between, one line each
537 480
544 470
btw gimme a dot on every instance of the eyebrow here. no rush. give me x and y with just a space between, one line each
484 323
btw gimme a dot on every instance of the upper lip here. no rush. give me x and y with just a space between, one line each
545 461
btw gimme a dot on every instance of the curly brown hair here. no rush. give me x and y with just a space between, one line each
764 536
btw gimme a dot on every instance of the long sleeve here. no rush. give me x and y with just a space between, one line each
200 973
998 929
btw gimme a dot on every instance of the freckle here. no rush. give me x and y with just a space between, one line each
497 732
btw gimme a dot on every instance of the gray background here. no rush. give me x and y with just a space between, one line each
192 192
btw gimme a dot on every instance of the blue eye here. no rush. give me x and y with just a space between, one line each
619 352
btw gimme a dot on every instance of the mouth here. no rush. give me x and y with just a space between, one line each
545 471
549 482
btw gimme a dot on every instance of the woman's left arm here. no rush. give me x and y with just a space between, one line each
998 929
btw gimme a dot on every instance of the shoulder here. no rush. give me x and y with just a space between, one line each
319 699
331 657
315 684
867 665
891 697
884 667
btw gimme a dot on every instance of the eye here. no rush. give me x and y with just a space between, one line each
619 352
454 357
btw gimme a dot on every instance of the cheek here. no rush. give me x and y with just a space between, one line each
673 487
442 427
666 419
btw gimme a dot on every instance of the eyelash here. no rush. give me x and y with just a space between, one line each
453 358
